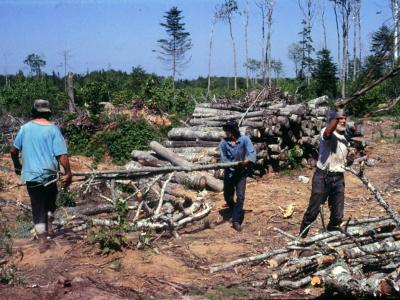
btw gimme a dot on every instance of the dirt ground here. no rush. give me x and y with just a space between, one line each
73 269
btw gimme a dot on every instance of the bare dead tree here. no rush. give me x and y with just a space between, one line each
345 8
225 13
322 8
356 14
335 10
395 14
308 10
270 9
359 33
261 6
70 91
246 25
214 21
66 55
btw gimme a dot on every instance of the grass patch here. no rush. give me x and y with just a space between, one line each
227 293
24 226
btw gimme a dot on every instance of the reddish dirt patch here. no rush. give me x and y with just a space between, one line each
180 267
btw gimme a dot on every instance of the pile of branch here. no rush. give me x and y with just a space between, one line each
159 202
361 259
9 126
168 195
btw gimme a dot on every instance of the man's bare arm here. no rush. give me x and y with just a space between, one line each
15 158
67 177
330 129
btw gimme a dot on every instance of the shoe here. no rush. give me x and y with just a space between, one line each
333 228
44 244
237 226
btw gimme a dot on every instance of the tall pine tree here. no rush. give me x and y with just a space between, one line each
325 74
173 48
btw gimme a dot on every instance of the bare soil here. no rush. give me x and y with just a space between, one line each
73 269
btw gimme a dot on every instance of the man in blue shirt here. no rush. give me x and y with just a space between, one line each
233 148
43 148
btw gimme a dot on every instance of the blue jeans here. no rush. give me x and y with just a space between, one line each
231 184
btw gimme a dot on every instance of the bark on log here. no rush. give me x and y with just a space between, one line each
277 260
196 182
240 261
147 159
210 151
288 284
178 144
378 247
212 183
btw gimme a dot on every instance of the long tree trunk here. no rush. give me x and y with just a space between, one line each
234 53
355 41
213 183
309 40
209 54
359 34
395 12
70 88
246 25
324 27
345 11
338 35
174 56
263 62
269 59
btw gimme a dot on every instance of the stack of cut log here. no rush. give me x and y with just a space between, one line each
283 134
362 260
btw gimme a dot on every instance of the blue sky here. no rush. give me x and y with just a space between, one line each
120 34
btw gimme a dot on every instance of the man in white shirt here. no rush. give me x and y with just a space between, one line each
328 180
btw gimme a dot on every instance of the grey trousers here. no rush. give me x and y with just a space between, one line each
325 186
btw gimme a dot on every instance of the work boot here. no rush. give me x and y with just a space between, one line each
237 226
44 244
333 227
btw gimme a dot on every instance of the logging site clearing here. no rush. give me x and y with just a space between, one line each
178 267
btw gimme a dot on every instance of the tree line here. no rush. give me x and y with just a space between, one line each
316 72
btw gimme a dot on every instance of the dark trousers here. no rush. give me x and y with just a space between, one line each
325 186
231 184
43 201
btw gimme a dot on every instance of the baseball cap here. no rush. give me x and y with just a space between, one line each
41 105
334 114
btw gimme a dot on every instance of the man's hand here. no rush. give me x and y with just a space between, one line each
340 113
245 163
339 104
15 158
66 179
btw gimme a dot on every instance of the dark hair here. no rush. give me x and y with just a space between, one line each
37 114
233 127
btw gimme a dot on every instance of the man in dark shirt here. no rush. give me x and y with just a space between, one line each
236 148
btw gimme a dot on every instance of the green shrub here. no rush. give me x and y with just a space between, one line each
65 198
118 143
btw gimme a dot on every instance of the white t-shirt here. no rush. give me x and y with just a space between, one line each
332 152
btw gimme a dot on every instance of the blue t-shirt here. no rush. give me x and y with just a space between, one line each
39 144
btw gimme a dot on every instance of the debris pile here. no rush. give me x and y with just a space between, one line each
360 260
